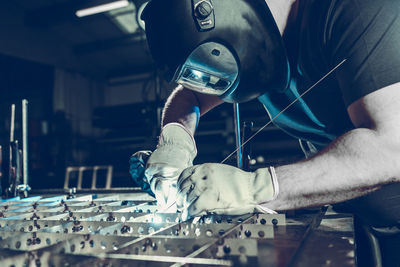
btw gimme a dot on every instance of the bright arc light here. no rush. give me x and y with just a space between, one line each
157 219
197 73
101 8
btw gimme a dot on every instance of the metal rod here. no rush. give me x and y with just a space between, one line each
316 221
25 141
12 123
239 158
164 259
18 162
157 81
14 168
11 169
246 133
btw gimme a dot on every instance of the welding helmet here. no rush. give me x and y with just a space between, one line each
229 48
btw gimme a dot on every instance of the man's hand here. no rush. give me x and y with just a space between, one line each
223 189
137 167
175 151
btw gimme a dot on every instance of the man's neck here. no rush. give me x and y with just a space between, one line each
284 13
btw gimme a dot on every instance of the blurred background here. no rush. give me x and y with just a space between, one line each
94 93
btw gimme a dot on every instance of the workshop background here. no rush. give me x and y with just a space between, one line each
95 96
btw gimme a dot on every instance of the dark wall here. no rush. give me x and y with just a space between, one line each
21 79
75 121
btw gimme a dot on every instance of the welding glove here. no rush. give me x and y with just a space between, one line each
222 189
137 166
175 151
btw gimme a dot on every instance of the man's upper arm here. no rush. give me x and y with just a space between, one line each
378 111
365 32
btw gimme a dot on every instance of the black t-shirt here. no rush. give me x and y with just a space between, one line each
364 32
367 34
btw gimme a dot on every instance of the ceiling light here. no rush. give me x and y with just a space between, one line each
101 8
124 18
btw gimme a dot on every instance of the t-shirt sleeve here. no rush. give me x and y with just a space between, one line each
367 34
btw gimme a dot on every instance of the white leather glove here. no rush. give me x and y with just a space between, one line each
175 151
223 189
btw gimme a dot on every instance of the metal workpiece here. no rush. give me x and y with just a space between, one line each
126 229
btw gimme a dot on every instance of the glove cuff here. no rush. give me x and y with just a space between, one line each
267 191
265 185
275 183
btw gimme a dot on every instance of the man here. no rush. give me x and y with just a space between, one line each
237 50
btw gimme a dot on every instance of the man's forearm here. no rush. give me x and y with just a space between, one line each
355 164
185 107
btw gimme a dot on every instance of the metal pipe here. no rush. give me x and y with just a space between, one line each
11 169
246 134
25 141
14 169
239 158
12 123
18 163
157 81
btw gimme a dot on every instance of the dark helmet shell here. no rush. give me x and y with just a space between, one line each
246 27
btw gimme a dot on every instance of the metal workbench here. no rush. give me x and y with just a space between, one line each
123 229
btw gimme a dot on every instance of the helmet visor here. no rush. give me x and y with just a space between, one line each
210 69
203 82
